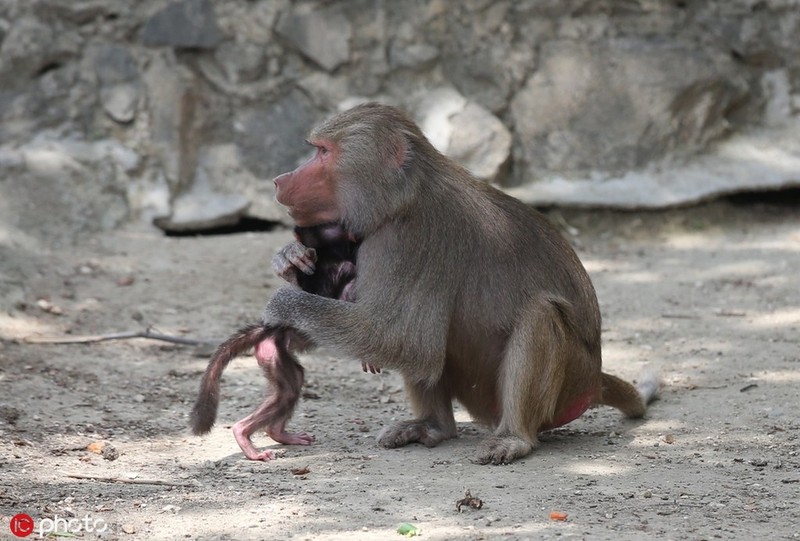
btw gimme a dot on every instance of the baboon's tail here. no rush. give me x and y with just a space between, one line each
204 413
629 399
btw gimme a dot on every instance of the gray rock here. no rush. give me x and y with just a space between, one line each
251 21
464 131
76 186
270 139
327 91
31 47
120 86
183 24
609 103
241 62
413 55
203 208
764 159
48 156
480 76
262 89
80 11
479 58
222 166
114 64
622 105
149 195
67 205
168 86
120 101
480 141
322 36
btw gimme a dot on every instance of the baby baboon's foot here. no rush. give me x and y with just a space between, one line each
242 435
291 438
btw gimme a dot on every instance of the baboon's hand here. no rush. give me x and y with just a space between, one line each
292 258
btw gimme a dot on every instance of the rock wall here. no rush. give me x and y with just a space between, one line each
183 110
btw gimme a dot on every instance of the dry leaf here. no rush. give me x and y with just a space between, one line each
49 307
96 447
469 500
125 281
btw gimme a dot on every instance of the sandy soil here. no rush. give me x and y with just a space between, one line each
710 296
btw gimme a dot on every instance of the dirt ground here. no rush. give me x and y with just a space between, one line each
709 296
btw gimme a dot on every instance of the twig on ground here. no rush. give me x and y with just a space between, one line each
106 479
147 333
